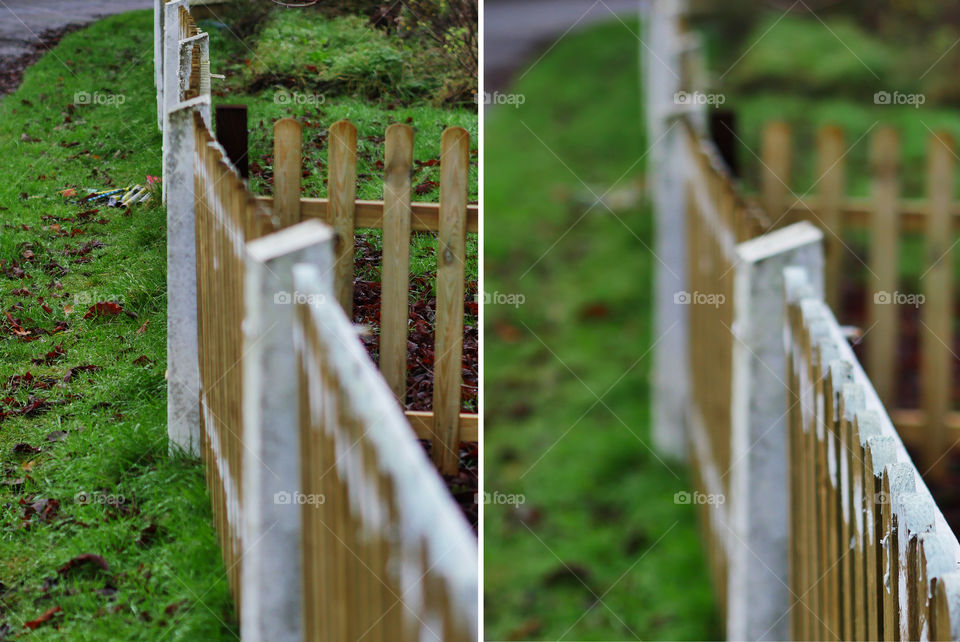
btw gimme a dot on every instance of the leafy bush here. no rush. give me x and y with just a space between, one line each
452 26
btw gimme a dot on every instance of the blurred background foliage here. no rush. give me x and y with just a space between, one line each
811 63
813 46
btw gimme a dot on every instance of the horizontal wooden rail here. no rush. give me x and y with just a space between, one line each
425 216
451 219
422 423
912 425
858 212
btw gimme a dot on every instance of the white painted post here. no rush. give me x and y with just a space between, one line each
183 374
757 591
183 369
158 58
272 565
667 184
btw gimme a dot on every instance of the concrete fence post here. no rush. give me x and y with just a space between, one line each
183 369
173 58
757 590
271 528
667 154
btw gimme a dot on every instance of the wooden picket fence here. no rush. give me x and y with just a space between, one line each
186 78
718 218
227 217
452 218
934 427
872 557
817 523
379 489
351 426
379 547
857 569
712 234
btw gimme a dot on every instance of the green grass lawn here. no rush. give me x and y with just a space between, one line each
598 518
84 449
100 431
71 433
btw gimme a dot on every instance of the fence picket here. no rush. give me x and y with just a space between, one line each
829 595
937 331
395 288
847 536
830 186
795 505
877 455
834 376
451 257
775 170
884 253
286 171
342 192
853 404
